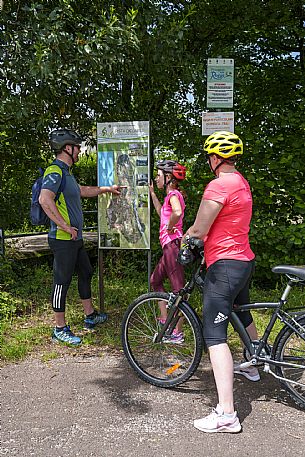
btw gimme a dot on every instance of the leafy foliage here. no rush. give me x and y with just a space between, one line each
68 63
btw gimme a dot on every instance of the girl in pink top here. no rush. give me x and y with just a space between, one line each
171 213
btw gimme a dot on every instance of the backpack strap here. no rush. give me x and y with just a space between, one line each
56 168
62 183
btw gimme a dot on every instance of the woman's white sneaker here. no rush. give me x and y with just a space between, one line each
250 373
217 422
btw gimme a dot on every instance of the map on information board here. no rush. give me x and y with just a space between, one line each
123 159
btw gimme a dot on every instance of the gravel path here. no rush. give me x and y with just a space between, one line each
96 406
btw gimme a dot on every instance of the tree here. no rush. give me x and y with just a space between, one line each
61 64
72 63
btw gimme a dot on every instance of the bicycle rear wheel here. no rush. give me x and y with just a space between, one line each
290 348
164 364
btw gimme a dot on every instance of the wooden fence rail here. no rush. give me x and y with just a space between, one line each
37 245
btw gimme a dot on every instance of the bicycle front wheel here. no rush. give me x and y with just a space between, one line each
164 364
290 349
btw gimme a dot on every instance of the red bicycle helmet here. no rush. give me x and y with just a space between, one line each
171 166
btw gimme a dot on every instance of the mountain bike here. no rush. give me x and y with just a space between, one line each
158 361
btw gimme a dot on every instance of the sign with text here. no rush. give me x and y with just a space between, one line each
220 83
211 122
123 159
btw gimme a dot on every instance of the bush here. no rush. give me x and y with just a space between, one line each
276 230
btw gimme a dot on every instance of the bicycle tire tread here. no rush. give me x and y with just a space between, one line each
282 338
197 332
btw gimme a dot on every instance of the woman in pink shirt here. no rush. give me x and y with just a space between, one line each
223 222
170 174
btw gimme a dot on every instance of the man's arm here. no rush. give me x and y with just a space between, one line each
94 191
47 201
206 215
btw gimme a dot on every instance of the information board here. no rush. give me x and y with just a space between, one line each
124 159
220 83
213 121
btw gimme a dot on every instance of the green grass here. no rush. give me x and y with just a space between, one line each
27 317
18 340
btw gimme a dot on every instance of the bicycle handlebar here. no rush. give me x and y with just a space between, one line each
190 250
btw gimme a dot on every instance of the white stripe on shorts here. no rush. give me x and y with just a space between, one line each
57 296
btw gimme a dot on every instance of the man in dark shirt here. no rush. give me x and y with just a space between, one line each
65 235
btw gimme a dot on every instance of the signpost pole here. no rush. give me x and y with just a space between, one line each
148 268
101 280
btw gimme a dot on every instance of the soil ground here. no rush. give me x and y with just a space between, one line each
94 405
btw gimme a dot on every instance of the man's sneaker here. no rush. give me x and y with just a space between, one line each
95 319
217 421
250 373
64 335
174 338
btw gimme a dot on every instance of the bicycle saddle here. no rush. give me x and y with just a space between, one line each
290 270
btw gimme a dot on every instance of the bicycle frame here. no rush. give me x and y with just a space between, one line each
287 318
175 299
258 351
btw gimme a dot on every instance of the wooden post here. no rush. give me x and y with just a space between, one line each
2 251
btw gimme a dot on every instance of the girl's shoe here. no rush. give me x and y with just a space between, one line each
175 338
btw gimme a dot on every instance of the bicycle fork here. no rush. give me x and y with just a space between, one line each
171 321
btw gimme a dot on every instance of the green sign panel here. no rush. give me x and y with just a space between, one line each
220 83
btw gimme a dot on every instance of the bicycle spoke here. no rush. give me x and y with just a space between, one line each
166 360
292 351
